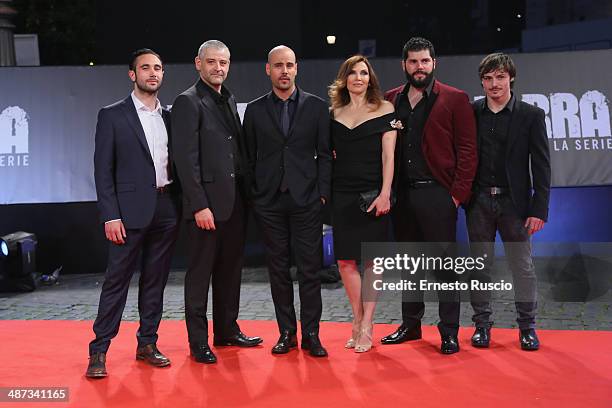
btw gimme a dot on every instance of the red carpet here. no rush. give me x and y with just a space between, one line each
572 369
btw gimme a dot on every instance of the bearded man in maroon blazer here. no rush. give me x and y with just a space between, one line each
436 162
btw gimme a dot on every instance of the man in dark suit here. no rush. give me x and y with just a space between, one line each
435 163
209 154
139 203
287 134
513 152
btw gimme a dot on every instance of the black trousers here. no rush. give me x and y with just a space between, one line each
148 249
486 215
219 255
428 214
287 226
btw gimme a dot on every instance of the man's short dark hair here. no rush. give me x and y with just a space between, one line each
138 53
497 61
418 44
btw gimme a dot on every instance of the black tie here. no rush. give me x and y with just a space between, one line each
285 128
285 119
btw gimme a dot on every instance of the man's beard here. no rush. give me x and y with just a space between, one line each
283 87
147 90
420 83
145 87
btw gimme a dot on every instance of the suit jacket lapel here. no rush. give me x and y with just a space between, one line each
234 109
298 111
431 99
273 117
211 105
238 126
166 118
515 126
132 116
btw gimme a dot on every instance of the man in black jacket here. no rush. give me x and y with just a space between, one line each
139 203
287 135
512 189
210 162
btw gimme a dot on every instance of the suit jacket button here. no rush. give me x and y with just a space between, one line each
229 138
232 175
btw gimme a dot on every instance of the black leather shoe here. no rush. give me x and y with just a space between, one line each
152 355
481 337
402 334
311 342
529 340
450 345
202 353
285 342
239 339
97 366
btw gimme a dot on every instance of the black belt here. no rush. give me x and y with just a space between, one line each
164 189
421 183
494 190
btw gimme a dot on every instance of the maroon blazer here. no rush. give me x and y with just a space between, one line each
449 139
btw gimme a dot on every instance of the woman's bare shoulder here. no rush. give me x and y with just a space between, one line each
386 107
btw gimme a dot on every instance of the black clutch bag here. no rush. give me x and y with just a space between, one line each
366 199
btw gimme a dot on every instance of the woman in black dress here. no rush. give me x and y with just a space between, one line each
363 138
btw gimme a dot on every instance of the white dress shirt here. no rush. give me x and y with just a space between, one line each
157 138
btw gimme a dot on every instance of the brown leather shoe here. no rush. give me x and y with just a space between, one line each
152 355
97 366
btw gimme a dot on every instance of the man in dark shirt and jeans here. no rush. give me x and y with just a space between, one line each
436 163
511 141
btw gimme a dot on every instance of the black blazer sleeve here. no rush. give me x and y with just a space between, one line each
324 158
185 143
104 167
540 167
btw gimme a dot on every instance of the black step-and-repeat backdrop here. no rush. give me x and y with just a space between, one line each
48 114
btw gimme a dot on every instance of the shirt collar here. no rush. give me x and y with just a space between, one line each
217 97
141 106
427 90
291 97
509 105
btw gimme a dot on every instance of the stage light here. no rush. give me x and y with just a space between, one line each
8 243
18 262
331 39
518 16
498 29
91 64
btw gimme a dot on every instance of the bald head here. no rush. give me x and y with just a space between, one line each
282 69
281 50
